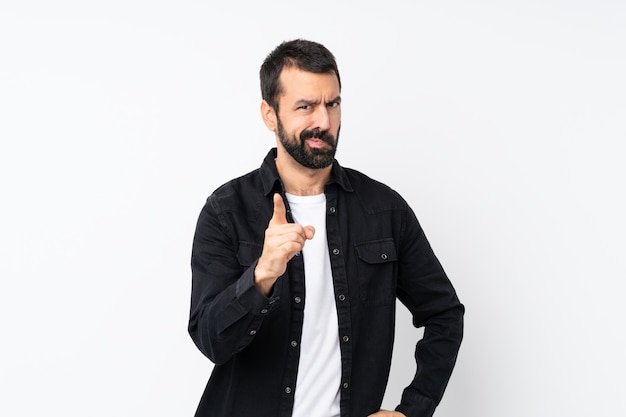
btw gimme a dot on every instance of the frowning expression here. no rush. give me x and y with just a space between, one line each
309 116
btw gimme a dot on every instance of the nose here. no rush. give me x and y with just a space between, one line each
322 118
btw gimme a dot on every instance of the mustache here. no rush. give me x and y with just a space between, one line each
317 133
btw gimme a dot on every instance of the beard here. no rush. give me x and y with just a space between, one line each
314 158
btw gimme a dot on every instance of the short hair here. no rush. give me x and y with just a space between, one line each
302 54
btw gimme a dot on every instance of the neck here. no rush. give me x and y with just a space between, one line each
299 180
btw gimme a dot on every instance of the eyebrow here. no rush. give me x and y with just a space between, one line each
305 102
335 100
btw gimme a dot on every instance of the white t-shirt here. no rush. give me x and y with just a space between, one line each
319 371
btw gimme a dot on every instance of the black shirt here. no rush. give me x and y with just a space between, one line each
378 254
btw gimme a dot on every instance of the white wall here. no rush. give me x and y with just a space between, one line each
502 123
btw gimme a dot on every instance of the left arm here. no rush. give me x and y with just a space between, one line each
426 291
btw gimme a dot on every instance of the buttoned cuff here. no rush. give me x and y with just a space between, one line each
251 298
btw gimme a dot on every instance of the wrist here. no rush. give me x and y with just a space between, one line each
263 281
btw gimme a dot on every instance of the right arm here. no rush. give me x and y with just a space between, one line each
229 301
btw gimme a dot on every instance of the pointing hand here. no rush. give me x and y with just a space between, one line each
282 241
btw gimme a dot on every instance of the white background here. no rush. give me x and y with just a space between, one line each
502 123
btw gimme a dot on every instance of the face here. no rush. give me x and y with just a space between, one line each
309 117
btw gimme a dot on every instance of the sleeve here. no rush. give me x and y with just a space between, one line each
426 291
226 305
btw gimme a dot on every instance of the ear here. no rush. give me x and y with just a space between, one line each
269 116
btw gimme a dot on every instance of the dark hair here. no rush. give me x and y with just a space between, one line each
302 54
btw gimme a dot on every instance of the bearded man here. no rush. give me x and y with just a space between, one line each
297 267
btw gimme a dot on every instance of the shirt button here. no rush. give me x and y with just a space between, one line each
332 210
298 300
335 251
288 390
264 311
345 338
294 343
342 297
345 385
252 332
297 253
383 256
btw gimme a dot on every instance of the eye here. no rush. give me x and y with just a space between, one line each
304 107
333 104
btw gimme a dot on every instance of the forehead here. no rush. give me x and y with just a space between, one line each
297 84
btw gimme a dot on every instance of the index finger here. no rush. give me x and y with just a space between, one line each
280 212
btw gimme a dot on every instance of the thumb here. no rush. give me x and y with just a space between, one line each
309 232
280 213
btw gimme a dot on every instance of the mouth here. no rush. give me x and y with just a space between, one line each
316 143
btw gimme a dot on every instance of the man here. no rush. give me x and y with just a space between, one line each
297 265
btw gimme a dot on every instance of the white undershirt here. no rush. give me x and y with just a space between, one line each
319 369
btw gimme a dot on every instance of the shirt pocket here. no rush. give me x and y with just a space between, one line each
248 253
376 268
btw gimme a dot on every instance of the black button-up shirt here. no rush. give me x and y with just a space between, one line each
378 253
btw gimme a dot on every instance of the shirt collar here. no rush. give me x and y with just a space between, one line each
271 181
